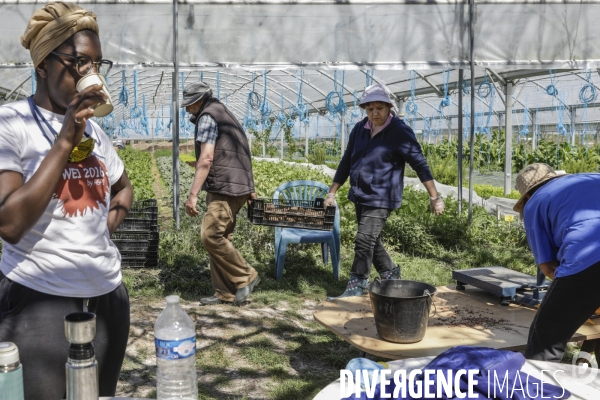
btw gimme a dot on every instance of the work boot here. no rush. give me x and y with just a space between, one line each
356 287
242 294
391 274
209 301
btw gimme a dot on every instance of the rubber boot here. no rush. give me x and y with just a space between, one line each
355 287
391 274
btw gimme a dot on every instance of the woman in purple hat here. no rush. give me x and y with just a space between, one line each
378 149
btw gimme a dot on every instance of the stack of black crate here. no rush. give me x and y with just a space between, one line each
137 236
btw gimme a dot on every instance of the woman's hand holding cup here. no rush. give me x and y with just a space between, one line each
78 112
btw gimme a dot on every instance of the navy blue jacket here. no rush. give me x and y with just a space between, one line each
376 166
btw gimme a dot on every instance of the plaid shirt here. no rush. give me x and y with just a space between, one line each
207 130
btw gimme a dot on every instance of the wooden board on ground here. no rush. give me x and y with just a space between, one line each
472 317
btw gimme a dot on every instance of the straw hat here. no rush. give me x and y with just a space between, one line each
531 177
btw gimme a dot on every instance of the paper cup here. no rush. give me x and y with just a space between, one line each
101 109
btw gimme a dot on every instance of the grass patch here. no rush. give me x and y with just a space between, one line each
297 388
264 357
271 340
214 356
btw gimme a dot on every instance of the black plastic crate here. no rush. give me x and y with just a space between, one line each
144 209
132 245
148 260
292 213
140 204
138 224
135 235
148 213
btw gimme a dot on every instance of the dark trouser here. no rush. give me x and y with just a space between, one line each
368 248
34 322
569 302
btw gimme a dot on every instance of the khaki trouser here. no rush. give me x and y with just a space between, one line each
228 269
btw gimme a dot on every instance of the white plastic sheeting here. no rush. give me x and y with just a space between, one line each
330 34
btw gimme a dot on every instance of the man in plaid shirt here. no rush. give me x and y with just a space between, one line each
224 171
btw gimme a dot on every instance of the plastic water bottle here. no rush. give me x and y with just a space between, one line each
175 340
11 372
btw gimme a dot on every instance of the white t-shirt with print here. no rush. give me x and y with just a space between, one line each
68 252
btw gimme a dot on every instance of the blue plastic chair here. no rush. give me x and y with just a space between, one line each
330 240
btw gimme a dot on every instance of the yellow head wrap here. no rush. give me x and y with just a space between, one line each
49 27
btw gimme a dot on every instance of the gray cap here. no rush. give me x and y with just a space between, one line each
195 92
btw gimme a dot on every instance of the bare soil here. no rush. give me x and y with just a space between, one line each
224 336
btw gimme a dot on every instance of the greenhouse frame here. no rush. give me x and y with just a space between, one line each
457 69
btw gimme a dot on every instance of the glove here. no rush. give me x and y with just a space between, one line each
329 200
436 205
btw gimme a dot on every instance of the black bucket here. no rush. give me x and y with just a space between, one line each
401 309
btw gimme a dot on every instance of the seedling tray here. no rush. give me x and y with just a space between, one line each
292 213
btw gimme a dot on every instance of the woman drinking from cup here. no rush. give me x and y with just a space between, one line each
63 191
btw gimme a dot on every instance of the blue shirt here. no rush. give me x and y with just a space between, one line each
562 220
376 165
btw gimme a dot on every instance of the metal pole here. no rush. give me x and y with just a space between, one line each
573 119
282 135
306 141
460 140
472 118
535 132
175 130
342 135
508 136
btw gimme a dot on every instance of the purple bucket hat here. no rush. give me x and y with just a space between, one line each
377 92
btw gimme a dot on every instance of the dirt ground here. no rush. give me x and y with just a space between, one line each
223 333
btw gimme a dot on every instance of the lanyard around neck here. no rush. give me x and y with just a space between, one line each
37 116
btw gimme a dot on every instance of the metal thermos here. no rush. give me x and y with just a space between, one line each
81 367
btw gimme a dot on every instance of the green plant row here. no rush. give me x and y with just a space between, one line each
186 178
489 153
137 165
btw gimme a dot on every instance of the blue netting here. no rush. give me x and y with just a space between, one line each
588 94
525 122
301 108
411 106
446 101
265 107
369 77
254 100
486 90
356 111
466 87
136 111
124 93
334 102
551 89
144 119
